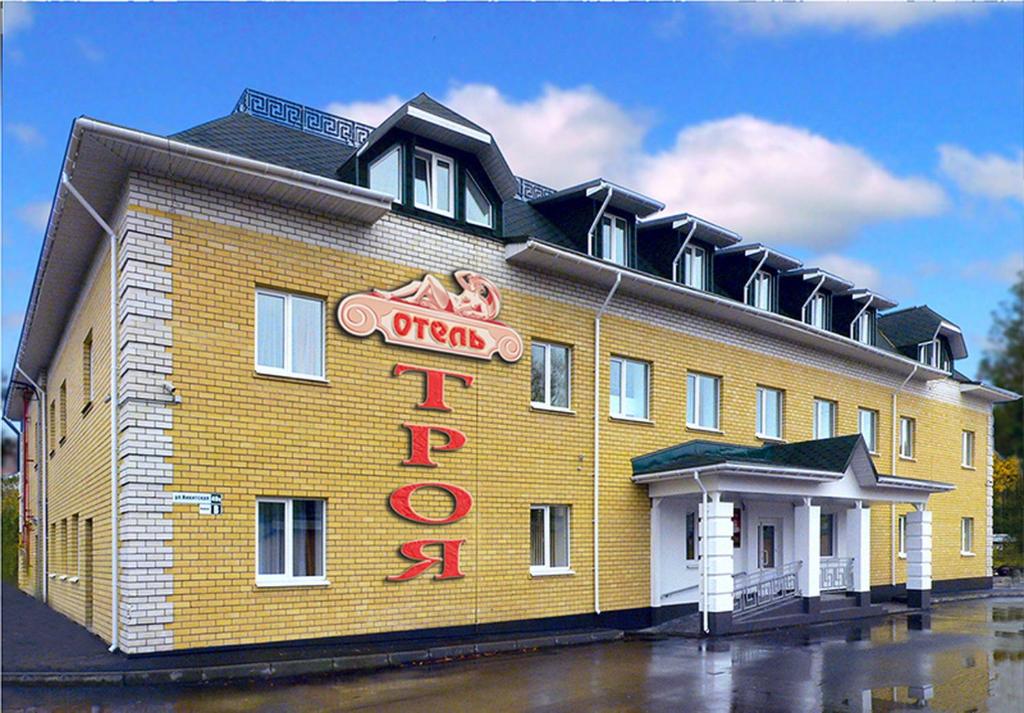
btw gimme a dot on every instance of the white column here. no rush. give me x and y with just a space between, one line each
858 542
919 557
656 552
716 563
807 546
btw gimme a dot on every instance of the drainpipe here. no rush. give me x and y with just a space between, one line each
597 442
817 288
679 255
597 219
893 545
44 462
871 298
114 532
703 552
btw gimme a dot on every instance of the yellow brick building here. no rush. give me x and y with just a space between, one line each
679 431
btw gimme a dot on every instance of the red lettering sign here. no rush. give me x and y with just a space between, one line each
433 384
419 443
401 503
449 559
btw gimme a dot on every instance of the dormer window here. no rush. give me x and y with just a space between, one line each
694 267
613 239
478 209
433 182
862 329
815 311
932 354
760 291
386 173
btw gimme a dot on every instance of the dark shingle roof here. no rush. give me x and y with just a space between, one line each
828 454
427 103
911 326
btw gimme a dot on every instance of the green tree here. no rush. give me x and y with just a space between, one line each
1003 366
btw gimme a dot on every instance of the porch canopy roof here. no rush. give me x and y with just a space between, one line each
839 468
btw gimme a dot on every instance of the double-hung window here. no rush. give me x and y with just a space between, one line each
629 389
702 393
386 173
967 449
289 334
549 539
769 413
550 375
967 536
433 182
824 418
760 291
828 534
613 239
907 428
290 542
815 310
695 267
862 329
867 425
478 208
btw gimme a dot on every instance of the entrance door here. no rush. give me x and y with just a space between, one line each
88 573
769 544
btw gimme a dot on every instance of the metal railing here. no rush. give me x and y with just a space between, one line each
768 586
836 574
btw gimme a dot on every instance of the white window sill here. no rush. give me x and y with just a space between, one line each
289 375
769 439
52 575
64 577
551 571
967 554
311 582
631 419
911 459
967 467
902 555
875 454
704 429
433 210
552 409
73 580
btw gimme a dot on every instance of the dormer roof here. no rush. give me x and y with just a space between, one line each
702 229
755 251
829 281
622 198
917 325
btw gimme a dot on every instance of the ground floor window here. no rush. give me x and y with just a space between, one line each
828 535
902 535
290 543
549 539
691 536
967 536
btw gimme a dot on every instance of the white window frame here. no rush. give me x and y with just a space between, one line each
287 579
546 568
762 401
908 426
623 362
861 328
489 223
698 393
87 376
967 442
901 536
873 444
755 291
547 402
696 279
937 359
287 326
814 312
434 159
967 536
397 148
834 409
610 221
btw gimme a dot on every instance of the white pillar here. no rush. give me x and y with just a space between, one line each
807 546
716 564
858 540
656 552
919 557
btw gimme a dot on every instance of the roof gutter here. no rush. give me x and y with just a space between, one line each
682 248
735 468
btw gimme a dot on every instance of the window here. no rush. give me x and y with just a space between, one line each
63 410
967 449
64 546
828 534
933 354
386 173
73 569
478 208
629 387
769 412
906 437
289 334
815 310
760 291
867 425
702 401
87 369
695 267
691 536
613 239
550 375
290 543
51 418
967 535
549 539
862 329
433 182
901 534
824 418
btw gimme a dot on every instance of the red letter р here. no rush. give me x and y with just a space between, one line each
401 503
433 384
449 559
419 443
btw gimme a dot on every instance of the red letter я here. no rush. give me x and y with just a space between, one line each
449 559
419 443
434 384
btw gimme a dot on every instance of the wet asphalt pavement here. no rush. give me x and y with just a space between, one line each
964 656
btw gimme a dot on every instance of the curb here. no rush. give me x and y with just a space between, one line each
304 667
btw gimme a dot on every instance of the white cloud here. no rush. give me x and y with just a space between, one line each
1003 270
35 214
368 112
17 16
872 18
990 176
26 134
89 51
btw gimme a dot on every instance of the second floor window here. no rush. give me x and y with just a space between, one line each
386 173
289 334
549 375
867 425
702 401
967 449
433 182
694 267
907 428
629 389
824 418
613 239
769 412
814 312
760 291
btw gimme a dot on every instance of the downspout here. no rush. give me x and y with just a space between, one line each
817 288
871 298
682 248
114 531
895 446
597 219
703 552
44 461
597 442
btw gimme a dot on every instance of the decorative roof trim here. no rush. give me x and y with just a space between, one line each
301 117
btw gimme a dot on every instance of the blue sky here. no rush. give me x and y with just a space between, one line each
881 141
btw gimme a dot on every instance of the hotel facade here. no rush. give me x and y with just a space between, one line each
370 383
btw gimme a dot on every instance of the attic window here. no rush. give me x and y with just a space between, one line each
932 354
613 239
386 173
478 208
760 291
433 182
815 311
863 329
